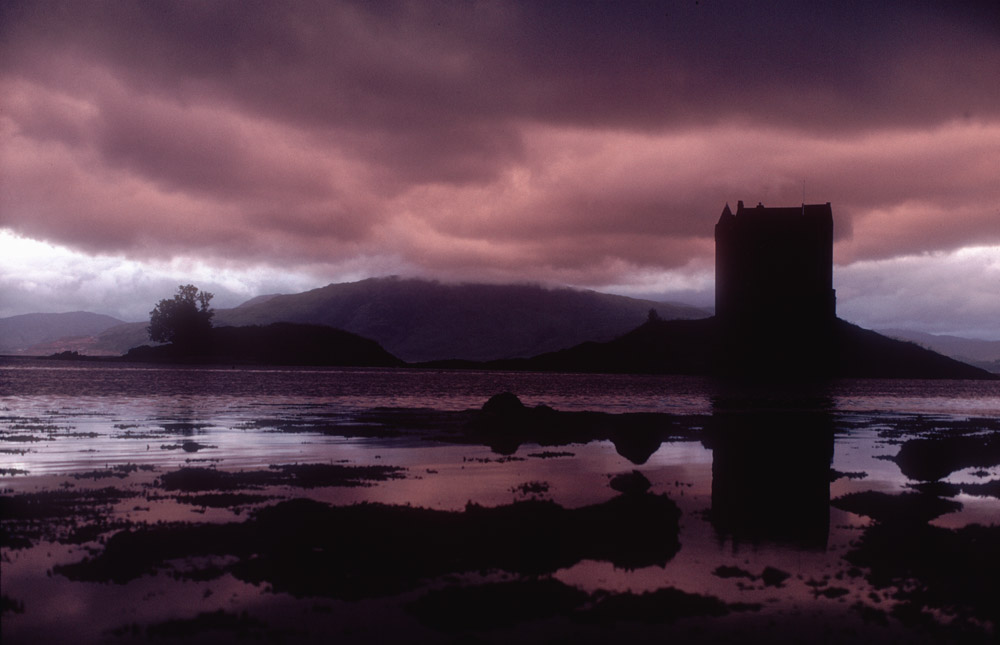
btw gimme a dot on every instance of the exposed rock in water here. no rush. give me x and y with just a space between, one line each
370 550
633 483
905 508
935 458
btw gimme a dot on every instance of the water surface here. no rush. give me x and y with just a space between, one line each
766 479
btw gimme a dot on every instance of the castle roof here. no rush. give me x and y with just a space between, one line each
807 210
726 214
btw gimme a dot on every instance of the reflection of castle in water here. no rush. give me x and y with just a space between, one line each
771 470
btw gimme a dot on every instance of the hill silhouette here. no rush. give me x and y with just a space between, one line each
692 347
521 327
695 347
276 344
420 320
18 333
981 353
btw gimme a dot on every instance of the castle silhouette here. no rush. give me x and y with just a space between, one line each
775 265
775 318
774 297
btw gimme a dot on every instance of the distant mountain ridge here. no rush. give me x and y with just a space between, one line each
257 300
421 320
19 333
981 353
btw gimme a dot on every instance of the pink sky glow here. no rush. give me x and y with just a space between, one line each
280 147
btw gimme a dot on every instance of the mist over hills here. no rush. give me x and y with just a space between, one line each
506 326
18 333
421 320
981 353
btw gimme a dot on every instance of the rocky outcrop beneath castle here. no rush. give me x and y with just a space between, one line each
706 347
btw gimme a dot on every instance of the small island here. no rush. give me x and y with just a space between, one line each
274 344
184 324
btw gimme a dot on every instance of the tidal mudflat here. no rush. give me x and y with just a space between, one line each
160 504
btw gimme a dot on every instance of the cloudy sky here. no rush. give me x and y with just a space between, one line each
257 147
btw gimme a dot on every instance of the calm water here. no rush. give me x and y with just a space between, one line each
61 417
747 503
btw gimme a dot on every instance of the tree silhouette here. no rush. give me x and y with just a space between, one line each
184 320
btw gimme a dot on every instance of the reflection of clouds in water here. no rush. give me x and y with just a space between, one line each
975 510
680 453
862 450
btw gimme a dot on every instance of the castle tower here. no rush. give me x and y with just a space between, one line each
774 266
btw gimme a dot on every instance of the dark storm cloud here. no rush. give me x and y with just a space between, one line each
398 67
534 140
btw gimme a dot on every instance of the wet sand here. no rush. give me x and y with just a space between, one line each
512 523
